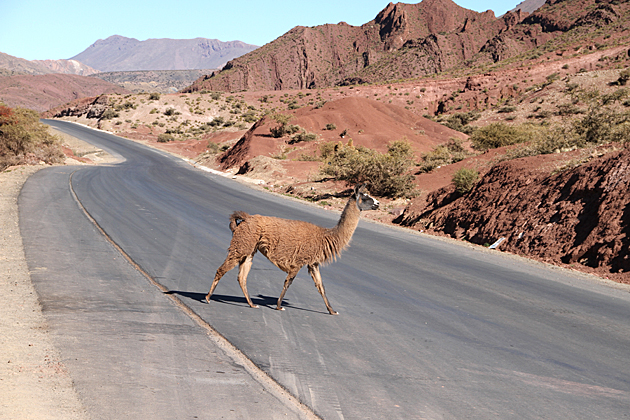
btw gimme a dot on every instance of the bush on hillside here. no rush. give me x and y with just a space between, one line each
498 135
460 121
465 179
109 114
283 128
303 136
165 138
444 154
387 174
24 140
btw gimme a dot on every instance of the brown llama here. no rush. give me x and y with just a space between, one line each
291 244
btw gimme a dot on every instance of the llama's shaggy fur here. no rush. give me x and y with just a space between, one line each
290 244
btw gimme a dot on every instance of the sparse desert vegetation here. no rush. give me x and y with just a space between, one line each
24 140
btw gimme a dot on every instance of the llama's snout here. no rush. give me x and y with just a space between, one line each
376 204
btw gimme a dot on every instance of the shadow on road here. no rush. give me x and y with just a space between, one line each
260 300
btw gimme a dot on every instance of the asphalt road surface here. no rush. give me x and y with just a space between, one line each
428 329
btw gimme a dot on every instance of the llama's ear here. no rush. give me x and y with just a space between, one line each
358 188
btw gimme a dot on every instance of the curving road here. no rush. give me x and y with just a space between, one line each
427 329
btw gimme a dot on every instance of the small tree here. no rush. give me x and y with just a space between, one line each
388 174
283 121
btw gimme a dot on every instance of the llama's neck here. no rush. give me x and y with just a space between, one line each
347 222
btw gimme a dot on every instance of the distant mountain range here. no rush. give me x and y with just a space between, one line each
118 53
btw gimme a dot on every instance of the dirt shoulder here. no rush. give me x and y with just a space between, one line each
34 383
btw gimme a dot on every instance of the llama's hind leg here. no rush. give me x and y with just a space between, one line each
229 263
317 278
290 276
243 271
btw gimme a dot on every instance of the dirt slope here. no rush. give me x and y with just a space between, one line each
578 217
368 123
43 92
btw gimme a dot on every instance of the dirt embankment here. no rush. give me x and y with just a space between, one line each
578 218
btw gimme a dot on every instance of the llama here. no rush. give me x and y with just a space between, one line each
291 244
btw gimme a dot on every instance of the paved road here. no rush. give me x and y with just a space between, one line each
427 328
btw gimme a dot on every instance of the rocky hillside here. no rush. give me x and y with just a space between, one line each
576 217
118 53
415 40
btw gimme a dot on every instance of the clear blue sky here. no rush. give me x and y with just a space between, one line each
44 29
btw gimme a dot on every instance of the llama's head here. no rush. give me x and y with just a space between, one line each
364 200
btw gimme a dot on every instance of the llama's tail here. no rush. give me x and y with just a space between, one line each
236 218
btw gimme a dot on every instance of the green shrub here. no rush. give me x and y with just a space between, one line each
217 121
331 126
497 135
388 174
329 148
506 109
165 138
154 96
443 154
249 116
125 106
282 128
624 76
213 147
109 114
460 121
24 140
439 156
465 179
308 158
303 136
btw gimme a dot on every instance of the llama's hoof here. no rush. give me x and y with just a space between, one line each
254 306
207 299
280 309
334 313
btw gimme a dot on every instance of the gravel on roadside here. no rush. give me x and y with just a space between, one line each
34 383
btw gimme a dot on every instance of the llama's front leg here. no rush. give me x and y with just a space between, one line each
317 278
287 283
243 271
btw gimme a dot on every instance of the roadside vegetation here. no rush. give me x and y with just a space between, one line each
465 179
387 174
444 154
24 140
